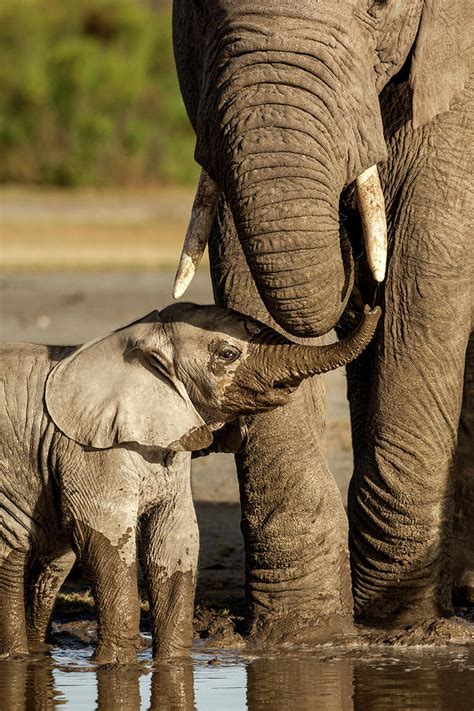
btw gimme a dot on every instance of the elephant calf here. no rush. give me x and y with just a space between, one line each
95 459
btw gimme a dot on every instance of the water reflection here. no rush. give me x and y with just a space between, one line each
27 685
303 683
411 682
118 690
416 683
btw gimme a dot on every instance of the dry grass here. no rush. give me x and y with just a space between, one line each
132 230
71 604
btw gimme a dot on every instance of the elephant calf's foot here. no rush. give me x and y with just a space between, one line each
38 645
13 651
439 632
114 654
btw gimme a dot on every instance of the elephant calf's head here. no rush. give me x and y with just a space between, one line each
232 365
173 377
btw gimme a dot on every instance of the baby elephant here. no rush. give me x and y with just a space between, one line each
95 460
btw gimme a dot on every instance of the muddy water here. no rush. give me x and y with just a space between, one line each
403 681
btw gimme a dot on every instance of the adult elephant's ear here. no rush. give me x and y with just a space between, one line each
122 388
442 56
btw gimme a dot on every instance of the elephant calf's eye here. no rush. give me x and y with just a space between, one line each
228 354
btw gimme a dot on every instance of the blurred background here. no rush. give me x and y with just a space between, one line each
97 167
92 98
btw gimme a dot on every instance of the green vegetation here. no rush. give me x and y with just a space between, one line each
89 95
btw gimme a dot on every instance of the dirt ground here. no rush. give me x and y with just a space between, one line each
65 282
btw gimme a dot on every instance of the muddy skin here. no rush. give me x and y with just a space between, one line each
13 640
42 588
221 631
171 606
115 590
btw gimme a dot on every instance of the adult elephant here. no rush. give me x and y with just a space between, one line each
293 104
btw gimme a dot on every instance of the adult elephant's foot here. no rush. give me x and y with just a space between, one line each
13 642
292 631
440 632
13 653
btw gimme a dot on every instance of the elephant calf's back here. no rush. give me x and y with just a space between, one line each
24 426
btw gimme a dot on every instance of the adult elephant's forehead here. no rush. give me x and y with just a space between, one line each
266 8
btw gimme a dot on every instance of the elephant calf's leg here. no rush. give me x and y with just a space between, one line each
111 565
169 551
43 587
13 640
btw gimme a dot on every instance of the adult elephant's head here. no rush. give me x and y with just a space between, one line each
283 96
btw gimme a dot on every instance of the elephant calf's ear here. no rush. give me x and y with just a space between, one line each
442 56
107 393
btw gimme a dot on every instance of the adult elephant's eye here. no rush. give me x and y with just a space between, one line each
228 354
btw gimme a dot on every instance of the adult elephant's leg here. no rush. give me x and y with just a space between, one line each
169 547
463 555
293 519
294 526
402 493
43 586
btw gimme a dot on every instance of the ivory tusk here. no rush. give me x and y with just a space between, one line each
371 205
202 216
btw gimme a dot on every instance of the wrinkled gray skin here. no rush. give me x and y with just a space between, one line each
290 102
95 460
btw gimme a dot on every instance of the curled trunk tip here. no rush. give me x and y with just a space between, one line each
292 363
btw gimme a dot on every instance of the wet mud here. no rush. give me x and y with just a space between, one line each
225 628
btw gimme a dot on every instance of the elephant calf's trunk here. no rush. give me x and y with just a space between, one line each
292 363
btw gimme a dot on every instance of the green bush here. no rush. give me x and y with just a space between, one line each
89 95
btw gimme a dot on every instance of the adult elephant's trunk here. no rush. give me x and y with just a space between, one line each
288 116
288 225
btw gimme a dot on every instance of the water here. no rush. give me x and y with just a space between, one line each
405 680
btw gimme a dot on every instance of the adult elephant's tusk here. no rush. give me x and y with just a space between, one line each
202 216
374 224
